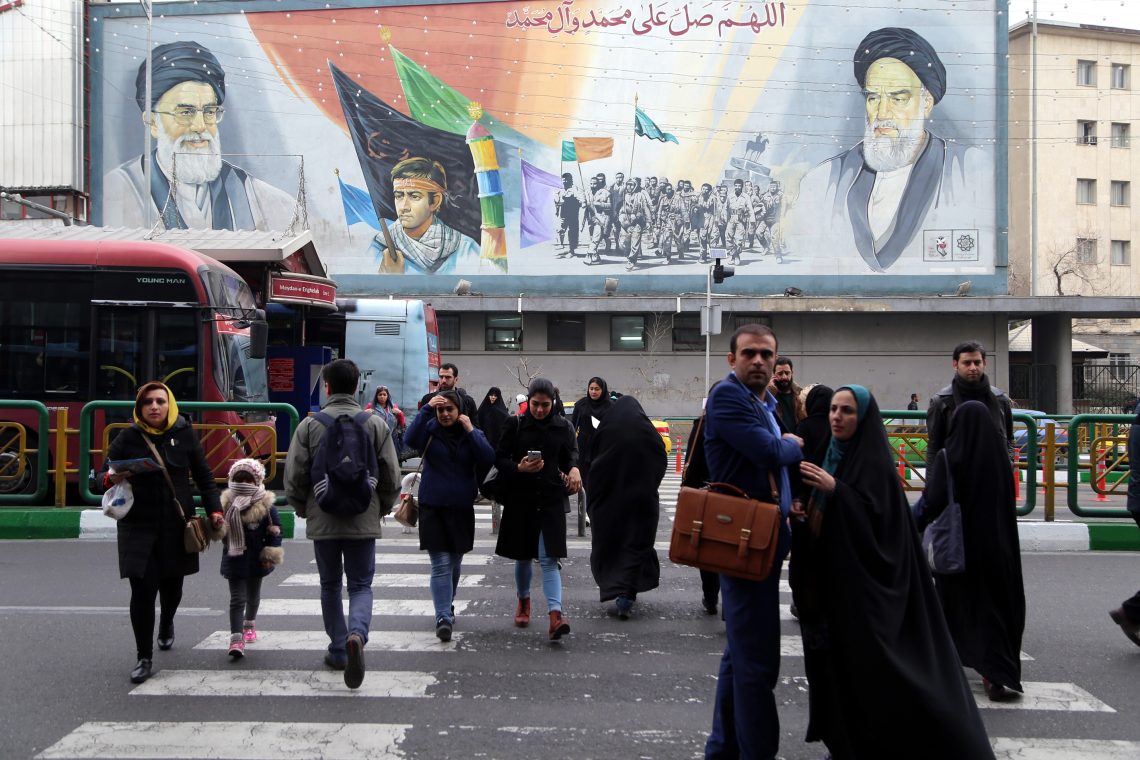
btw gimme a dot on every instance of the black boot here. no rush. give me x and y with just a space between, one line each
142 671
166 636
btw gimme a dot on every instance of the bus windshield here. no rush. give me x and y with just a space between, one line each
240 377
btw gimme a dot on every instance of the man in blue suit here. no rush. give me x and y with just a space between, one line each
743 445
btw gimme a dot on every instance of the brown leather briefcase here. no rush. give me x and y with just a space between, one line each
728 533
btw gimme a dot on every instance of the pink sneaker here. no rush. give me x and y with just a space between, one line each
237 647
249 632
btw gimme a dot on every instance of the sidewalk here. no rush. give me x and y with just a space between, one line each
1064 535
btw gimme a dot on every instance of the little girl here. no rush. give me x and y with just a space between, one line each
251 537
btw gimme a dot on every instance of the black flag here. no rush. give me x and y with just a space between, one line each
384 137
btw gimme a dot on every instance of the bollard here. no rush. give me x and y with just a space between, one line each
902 463
1100 495
677 449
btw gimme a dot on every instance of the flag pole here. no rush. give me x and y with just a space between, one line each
633 144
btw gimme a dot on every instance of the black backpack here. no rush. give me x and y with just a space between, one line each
345 470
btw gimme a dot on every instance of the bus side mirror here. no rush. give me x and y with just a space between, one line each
258 335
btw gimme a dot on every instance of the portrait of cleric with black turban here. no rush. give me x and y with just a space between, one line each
188 103
901 179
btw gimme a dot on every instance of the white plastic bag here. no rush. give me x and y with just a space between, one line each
118 500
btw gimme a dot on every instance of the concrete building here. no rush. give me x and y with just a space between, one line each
1087 116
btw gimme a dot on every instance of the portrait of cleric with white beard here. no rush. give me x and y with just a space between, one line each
191 185
901 180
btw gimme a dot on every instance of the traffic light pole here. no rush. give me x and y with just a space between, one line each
708 333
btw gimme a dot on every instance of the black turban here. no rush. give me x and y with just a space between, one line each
910 48
175 63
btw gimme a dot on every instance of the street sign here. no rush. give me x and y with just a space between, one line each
718 253
711 327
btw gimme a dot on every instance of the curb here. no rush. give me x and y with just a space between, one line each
1035 536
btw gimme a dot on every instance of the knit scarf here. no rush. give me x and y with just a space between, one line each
245 494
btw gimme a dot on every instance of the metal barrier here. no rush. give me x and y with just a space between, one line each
19 437
87 425
1095 458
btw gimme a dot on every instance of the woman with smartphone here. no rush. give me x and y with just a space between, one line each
538 462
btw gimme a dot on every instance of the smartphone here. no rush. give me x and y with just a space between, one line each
534 455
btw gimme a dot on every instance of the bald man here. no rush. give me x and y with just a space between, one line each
191 187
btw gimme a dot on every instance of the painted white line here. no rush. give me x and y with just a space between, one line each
411 540
1064 749
1038 695
318 641
282 683
403 558
312 607
386 580
94 524
1053 537
224 740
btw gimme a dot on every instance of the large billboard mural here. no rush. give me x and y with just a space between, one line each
518 139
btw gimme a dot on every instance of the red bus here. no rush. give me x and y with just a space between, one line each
86 320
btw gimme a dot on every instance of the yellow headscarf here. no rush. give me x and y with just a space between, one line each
171 408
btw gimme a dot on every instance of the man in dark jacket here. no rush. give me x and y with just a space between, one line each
969 384
1127 615
744 446
343 541
449 381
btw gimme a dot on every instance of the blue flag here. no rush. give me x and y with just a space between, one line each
357 205
644 126
536 217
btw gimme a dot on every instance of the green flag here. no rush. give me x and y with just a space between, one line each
568 152
643 126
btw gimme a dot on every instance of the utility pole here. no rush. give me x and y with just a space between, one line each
1033 160
147 169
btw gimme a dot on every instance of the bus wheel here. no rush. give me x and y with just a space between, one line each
9 464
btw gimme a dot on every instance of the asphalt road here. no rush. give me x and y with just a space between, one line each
641 688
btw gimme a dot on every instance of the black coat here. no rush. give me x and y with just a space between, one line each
255 523
535 502
152 526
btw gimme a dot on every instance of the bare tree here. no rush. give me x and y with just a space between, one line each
1075 265
522 372
658 337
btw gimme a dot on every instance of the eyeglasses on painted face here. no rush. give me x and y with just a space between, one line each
184 115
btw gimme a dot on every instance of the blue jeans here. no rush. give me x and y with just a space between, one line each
551 578
445 569
745 722
356 559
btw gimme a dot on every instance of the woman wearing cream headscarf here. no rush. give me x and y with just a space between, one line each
151 553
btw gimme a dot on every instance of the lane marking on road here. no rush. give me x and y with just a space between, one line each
386 580
312 607
318 641
792 646
282 683
88 610
231 740
402 558
1064 749
1040 695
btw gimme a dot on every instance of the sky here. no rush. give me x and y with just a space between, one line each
1121 13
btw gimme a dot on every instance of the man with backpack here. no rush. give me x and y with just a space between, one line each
342 476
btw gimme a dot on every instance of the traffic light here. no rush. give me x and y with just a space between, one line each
721 272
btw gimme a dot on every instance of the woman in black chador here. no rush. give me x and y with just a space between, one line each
492 415
885 681
985 605
627 464
587 415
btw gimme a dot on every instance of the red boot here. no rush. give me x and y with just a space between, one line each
522 613
558 626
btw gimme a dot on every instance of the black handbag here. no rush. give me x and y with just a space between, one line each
942 541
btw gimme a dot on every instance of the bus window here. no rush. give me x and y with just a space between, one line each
43 348
120 356
176 353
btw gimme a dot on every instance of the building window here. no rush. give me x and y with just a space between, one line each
1119 364
1120 76
565 332
628 333
739 320
1086 73
504 332
1120 135
1086 132
1086 250
687 333
448 325
1121 253
1086 191
1121 193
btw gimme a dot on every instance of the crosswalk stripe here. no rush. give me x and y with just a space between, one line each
318 641
1044 696
282 683
386 580
311 607
1064 749
471 558
231 740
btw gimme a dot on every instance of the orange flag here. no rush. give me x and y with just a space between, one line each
593 148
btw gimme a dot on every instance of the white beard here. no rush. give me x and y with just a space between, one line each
886 153
191 166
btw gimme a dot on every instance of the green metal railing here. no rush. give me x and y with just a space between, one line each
44 445
1075 425
87 428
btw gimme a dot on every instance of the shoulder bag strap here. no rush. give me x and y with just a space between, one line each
427 445
949 477
696 436
166 474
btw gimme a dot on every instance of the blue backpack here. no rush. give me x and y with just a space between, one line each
345 470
